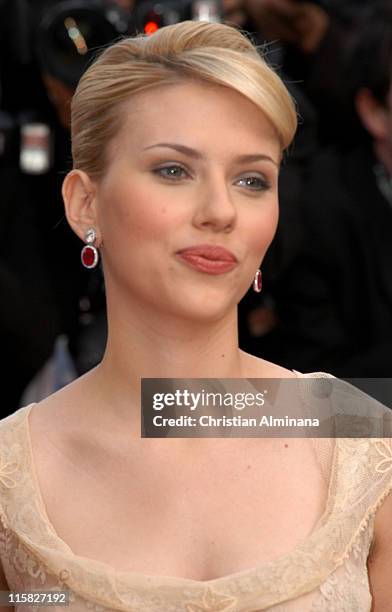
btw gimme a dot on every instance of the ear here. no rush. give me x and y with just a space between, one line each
79 195
373 115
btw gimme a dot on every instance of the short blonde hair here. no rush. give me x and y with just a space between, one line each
203 51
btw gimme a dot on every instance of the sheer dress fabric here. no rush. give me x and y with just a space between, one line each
326 572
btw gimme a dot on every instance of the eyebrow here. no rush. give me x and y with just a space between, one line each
197 155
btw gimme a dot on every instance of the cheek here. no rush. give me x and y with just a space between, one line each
262 225
136 216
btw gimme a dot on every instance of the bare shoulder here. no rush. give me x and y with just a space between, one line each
68 439
255 367
63 413
380 558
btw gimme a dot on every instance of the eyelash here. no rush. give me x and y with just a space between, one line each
265 185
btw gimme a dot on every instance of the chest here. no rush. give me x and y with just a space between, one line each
228 511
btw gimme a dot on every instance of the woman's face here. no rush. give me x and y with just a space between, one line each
194 164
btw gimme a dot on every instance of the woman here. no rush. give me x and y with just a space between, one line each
177 140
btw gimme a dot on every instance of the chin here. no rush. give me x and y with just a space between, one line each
205 309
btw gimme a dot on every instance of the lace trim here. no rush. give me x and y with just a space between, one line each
364 524
7 468
386 452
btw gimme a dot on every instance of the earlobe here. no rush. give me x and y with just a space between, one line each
79 201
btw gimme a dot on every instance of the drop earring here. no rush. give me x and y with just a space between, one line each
89 254
257 283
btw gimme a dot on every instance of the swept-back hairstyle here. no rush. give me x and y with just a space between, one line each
201 51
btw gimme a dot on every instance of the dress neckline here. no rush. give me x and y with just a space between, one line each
59 543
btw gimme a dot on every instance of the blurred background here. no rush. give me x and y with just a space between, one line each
326 303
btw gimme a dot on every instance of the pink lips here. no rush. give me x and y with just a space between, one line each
208 258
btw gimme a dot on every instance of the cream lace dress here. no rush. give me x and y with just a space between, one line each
325 572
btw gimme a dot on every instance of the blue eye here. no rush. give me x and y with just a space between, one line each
256 183
173 172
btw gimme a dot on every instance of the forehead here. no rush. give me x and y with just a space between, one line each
199 114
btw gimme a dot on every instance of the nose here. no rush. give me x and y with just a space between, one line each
215 208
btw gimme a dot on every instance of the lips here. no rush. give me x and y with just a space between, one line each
207 258
208 251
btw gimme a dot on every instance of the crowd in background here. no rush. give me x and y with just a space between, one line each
326 303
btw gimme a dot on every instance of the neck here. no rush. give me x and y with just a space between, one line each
147 344
162 347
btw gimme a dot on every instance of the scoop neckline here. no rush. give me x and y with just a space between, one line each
221 581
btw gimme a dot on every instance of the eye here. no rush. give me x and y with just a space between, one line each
255 183
172 172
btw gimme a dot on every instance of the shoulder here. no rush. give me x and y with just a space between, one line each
255 367
59 426
65 412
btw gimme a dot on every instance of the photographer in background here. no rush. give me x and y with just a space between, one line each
335 301
45 47
310 40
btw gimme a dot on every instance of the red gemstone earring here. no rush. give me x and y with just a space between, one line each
89 254
257 283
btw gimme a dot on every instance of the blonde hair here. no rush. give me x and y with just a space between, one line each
208 52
